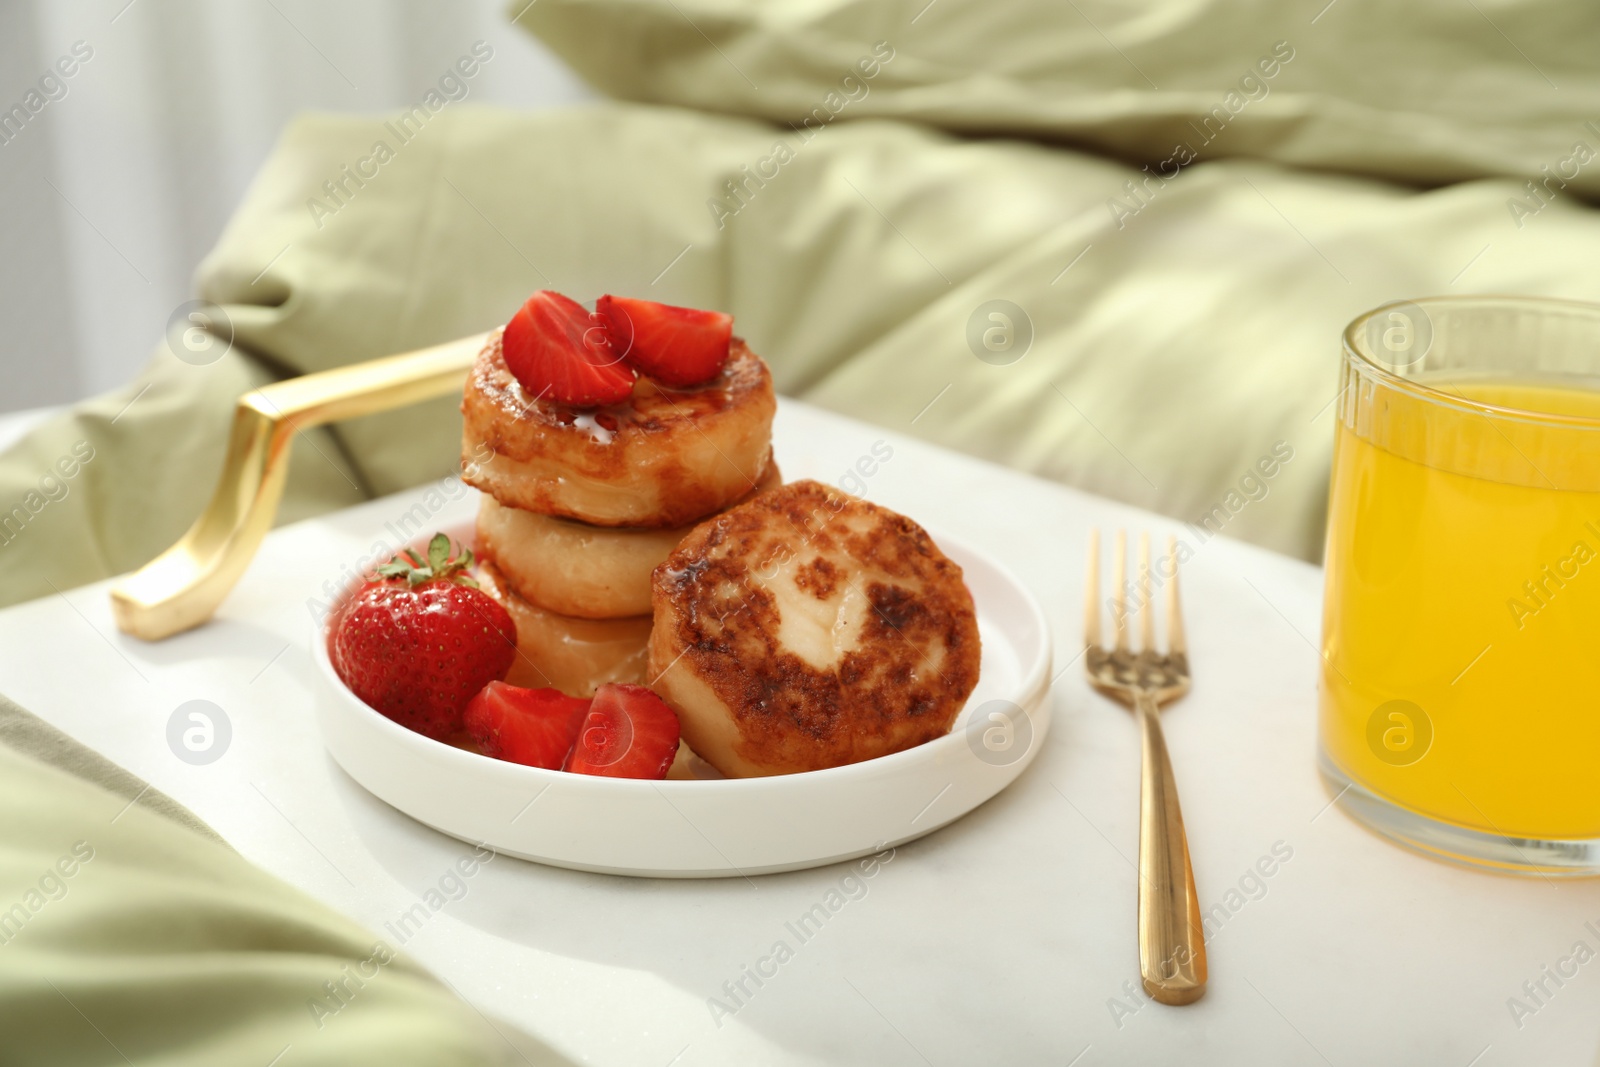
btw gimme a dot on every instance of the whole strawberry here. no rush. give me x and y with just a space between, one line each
419 641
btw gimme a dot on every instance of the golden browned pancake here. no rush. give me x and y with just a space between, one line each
807 629
593 572
576 656
666 457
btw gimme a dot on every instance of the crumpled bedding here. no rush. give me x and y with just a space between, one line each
130 934
1154 344
1422 93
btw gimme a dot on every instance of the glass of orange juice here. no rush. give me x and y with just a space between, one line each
1460 685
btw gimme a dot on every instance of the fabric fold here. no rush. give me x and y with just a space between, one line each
127 936
1159 338
1423 93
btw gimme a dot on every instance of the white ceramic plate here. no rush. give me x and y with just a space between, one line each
727 827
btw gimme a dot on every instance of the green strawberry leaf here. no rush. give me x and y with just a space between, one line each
441 563
438 551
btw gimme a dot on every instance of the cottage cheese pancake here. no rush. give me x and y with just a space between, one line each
593 572
664 457
808 629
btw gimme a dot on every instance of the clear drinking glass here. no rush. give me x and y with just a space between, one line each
1460 688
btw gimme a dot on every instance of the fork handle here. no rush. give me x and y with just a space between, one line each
1172 948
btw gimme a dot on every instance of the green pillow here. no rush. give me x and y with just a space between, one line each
1160 354
1425 92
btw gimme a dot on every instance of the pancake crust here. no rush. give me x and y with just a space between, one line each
807 629
664 458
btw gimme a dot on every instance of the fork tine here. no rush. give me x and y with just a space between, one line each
1147 608
1119 575
1175 639
1091 592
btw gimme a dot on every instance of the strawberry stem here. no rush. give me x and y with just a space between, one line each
442 563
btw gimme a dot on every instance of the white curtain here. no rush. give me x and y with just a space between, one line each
121 180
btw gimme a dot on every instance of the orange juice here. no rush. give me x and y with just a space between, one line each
1461 630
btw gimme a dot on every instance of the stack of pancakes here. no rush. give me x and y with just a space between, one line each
581 504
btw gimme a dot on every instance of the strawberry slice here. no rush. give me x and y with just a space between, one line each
531 726
557 350
629 733
673 345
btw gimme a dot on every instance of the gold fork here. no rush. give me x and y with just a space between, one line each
1172 948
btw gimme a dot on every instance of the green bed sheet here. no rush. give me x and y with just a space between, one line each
1423 93
1158 350
129 933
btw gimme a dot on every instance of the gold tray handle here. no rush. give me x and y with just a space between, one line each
183 587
